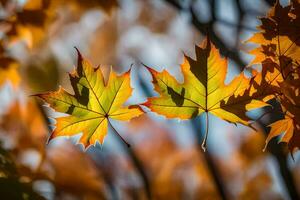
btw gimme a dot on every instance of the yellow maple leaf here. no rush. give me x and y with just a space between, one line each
203 90
93 103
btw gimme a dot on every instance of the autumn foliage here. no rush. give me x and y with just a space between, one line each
94 101
278 53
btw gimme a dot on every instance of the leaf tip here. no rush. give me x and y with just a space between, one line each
152 71
129 70
292 155
252 127
51 137
79 57
39 95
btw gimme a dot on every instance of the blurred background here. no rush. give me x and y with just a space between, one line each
165 161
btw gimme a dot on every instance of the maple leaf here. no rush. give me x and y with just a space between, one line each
289 127
203 90
93 103
279 38
281 126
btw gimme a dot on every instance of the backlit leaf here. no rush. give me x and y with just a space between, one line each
203 89
93 103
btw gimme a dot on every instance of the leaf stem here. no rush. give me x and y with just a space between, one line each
206 133
118 134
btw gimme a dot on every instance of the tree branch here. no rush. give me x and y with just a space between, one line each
216 177
137 164
207 29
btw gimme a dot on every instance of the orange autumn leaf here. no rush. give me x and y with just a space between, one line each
289 127
203 90
278 38
283 126
93 104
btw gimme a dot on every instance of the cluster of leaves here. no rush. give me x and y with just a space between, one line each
29 24
202 91
278 53
25 127
97 100
21 24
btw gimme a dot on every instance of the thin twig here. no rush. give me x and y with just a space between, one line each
203 145
137 163
118 134
212 168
